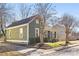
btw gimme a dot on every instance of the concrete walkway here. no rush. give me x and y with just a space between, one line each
64 50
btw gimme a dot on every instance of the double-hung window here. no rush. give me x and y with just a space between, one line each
36 32
21 33
37 21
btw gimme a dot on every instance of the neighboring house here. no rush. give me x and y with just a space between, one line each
59 32
56 32
25 30
48 32
74 36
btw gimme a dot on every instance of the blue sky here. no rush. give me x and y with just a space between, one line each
71 8
61 8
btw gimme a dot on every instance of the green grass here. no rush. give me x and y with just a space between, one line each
56 44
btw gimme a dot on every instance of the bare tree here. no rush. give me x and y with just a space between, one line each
25 10
54 20
69 23
45 11
4 11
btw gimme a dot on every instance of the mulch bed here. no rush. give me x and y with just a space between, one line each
42 46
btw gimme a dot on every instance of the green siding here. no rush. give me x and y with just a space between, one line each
14 33
32 27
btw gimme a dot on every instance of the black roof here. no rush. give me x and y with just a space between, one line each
23 21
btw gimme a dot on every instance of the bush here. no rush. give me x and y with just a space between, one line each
53 40
50 40
34 40
77 39
37 40
31 40
1 35
46 39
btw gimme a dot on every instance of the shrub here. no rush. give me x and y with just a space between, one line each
46 39
77 39
1 35
50 40
37 40
34 40
31 40
53 40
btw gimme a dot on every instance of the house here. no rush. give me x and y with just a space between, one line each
74 36
27 31
48 32
58 31
24 31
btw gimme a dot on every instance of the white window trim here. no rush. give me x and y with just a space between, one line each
16 26
37 21
35 31
27 33
9 33
21 32
27 24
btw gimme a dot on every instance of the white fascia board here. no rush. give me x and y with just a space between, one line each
16 26
19 25
28 33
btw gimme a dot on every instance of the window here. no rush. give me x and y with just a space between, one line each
54 34
61 32
48 34
36 32
21 33
9 33
37 21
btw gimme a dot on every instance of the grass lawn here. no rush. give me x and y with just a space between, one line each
56 44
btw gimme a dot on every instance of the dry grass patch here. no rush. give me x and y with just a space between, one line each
11 53
56 44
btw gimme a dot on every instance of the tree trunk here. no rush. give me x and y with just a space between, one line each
67 38
4 34
41 35
41 31
3 31
41 39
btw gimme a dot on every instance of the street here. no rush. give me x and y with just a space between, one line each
72 51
